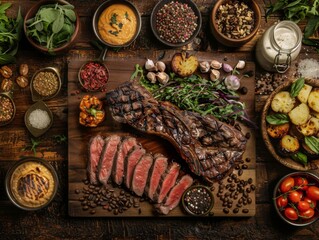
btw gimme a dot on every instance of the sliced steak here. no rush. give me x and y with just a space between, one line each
95 149
107 158
140 175
118 168
156 172
175 195
168 180
210 147
130 162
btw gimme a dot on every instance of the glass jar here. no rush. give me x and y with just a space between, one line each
279 46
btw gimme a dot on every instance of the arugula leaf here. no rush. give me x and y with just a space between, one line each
296 87
277 118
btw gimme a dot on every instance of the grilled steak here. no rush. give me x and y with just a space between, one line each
168 180
95 149
107 158
156 172
123 150
210 147
140 175
175 195
130 163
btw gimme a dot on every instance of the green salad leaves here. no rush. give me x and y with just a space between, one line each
52 26
10 34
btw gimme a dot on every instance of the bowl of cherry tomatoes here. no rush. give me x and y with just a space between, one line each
296 198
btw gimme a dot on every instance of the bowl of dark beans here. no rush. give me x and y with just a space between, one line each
235 22
176 24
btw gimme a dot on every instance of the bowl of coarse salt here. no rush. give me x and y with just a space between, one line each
38 119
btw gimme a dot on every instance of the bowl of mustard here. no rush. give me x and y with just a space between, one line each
117 23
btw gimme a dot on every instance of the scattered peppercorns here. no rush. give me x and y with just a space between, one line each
176 22
198 200
267 83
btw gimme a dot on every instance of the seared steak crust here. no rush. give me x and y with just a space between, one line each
210 147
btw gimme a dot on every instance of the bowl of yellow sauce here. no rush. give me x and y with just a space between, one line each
116 23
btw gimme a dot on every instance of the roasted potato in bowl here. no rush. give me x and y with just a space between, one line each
290 124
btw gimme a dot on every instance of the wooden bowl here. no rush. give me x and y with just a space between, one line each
159 5
61 49
232 42
270 143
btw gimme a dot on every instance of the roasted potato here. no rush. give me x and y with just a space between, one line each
184 64
310 128
288 145
313 100
315 114
278 131
300 114
282 102
304 93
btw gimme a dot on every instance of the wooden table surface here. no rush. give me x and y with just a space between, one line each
53 222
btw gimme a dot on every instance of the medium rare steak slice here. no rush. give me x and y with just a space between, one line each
158 169
175 195
210 147
130 162
107 158
95 149
168 180
118 168
140 175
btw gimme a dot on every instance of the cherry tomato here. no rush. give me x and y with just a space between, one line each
307 214
282 202
287 184
294 196
303 206
311 202
313 193
301 182
291 213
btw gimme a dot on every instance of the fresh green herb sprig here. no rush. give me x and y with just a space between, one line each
52 26
10 34
60 139
297 10
32 146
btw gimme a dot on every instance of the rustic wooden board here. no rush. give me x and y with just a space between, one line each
120 71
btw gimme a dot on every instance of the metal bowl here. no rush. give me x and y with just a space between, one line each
192 5
34 169
7 95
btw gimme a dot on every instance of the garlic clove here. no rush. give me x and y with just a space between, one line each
160 66
232 82
216 65
151 77
214 75
150 66
241 64
162 77
227 68
204 67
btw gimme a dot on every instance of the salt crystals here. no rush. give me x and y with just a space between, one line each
39 119
309 68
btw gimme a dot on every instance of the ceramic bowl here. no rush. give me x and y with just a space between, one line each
272 144
31 171
300 222
35 95
7 96
198 200
37 132
231 42
42 48
153 19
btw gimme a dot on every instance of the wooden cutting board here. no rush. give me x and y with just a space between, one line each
78 139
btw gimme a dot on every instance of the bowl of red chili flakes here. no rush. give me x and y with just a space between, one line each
93 76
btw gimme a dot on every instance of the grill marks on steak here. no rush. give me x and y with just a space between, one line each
210 147
143 173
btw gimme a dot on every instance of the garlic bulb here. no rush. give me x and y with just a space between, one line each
214 75
216 65
241 64
232 82
160 66
151 76
204 67
149 65
162 77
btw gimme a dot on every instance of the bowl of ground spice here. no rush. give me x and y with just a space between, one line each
38 119
7 109
235 22
176 23
45 84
